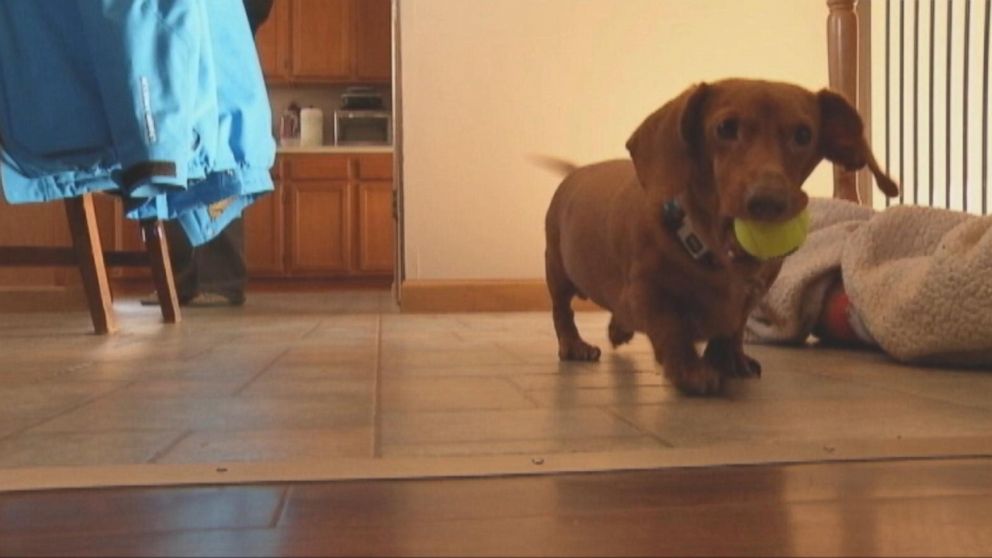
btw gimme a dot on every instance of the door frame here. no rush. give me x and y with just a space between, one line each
399 267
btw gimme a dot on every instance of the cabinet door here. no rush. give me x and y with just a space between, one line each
375 227
272 42
373 40
319 222
264 235
321 31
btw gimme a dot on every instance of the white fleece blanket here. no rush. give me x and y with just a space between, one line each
919 278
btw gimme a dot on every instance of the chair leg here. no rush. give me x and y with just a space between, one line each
89 256
158 258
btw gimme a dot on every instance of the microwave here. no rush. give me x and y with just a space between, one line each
363 127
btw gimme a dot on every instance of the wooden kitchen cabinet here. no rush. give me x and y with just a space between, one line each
319 218
375 222
327 41
375 226
265 235
373 40
322 39
331 216
272 43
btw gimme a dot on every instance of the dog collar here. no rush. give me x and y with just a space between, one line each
678 222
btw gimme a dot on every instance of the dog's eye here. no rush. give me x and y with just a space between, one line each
803 135
728 129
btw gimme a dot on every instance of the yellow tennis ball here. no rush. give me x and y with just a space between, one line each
771 240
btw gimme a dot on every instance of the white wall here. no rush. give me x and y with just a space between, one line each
487 82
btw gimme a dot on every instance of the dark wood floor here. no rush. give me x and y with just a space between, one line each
934 507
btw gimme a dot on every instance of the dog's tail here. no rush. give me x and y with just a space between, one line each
554 164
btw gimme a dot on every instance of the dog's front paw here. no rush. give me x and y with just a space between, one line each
699 379
578 350
731 361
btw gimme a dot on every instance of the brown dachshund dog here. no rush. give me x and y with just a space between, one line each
652 241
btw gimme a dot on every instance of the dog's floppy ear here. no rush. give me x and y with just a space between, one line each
842 139
669 139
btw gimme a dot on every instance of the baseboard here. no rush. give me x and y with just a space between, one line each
480 295
143 285
52 298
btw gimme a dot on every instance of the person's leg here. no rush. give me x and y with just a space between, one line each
220 264
217 267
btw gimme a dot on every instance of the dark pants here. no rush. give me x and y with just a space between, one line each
215 267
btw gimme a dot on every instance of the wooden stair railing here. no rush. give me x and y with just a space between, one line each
848 57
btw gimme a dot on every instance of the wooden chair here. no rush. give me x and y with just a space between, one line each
87 253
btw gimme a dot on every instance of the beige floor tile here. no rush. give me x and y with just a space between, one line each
222 361
411 359
16 374
972 388
11 425
82 449
536 351
336 302
363 332
965 387
437 342
290 334
329 356
272 445
182 387
700 422
42 400
295 377
450 394
221 413
588 376
347 371
485 426
397 326
567 397
535 448
152 349
469 371
328 389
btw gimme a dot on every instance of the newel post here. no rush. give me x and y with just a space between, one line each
842 54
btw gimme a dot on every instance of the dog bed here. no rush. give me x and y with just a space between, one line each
919 281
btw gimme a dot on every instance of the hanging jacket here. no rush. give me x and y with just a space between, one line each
161 101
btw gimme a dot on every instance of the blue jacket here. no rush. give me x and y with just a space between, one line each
161 101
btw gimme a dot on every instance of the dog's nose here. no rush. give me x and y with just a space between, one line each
768 200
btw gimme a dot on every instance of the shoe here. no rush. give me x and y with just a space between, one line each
214 300
201 300
152 300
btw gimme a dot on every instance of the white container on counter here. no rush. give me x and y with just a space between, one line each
311 127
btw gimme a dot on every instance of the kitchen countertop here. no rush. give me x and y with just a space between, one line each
337 149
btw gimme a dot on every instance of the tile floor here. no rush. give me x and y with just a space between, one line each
317 376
